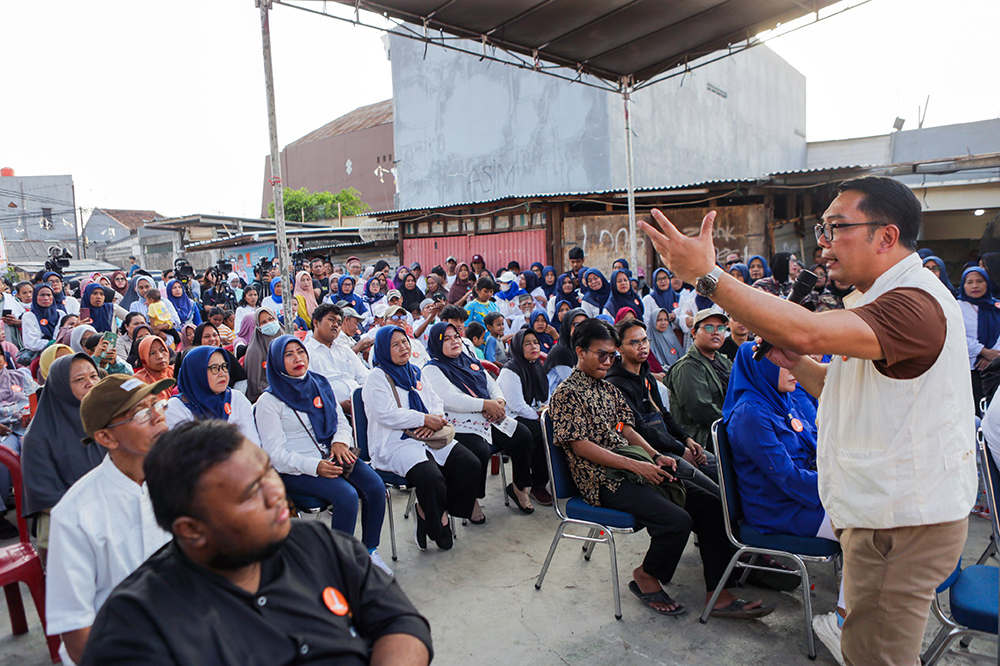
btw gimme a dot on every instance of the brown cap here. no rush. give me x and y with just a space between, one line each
114 395
710 312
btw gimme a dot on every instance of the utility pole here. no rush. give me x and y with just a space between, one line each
76 222
284 257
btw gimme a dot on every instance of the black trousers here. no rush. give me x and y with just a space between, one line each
539 475
706 476
669 527
527 457
450 487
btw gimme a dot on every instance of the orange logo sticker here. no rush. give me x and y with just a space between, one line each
619 427
419 386
415 355
796 425
263 364
317 402
44 322
474 367
673 351
228 409
675 306
335 601
636 301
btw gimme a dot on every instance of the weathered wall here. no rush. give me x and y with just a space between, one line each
605 238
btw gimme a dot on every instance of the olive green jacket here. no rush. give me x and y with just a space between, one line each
696 394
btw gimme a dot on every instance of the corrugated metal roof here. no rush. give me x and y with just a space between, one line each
361 118
130 219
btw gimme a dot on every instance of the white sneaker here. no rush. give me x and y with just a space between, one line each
828 631
380 563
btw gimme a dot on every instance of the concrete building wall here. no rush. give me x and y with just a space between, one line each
29 196
467 130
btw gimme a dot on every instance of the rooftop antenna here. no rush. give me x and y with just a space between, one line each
921 115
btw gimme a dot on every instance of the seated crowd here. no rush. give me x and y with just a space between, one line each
157 399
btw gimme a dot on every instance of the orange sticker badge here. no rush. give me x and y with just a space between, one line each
796 425
474 367
228 409
335 601
415 355
44 322
673 351
619 427
420 386
317 403
636 301
263 364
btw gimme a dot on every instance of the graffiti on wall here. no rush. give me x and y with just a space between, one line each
490 178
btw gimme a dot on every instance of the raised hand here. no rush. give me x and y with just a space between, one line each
689 258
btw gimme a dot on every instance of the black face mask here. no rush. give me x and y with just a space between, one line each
234 561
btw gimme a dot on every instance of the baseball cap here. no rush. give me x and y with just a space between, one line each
393 293
379 309
451 259
507 277
479 258
393 310
114 395
709 312
427 301
351 312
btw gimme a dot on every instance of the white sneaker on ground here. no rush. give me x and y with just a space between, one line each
828 632
380 563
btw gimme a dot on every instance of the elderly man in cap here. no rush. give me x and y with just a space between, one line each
349 332
243 585
698 381
103 528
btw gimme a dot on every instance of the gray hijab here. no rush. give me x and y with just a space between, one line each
53 456
664 346
76 337
256 356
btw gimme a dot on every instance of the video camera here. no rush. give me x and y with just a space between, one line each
58 259
183 271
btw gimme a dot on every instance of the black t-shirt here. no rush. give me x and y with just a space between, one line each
320 600
722 371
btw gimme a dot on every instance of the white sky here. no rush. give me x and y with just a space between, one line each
161 105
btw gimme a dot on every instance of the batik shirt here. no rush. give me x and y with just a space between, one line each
591 409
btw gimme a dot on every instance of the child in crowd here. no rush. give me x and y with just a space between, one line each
494 352
483 303
476 332
158 313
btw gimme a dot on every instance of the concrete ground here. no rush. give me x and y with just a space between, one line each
484 610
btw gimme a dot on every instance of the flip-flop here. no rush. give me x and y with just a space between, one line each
738 611
511 494
658 597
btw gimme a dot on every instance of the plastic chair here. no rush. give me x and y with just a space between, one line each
359 421
974 592
20 564
307 504
491 368
748 539
602 523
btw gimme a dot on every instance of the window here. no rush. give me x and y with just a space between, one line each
502 222
483 223
423 228
521 221
46 221
437 227
468 225
538 219
453 225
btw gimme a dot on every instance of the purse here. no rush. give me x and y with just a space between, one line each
325 455
436 441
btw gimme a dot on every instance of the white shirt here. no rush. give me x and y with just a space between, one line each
464 410
17 309
513 392
991 428
290 446
102 529
387 421
31 333
970 316
242 416
71 304
341 366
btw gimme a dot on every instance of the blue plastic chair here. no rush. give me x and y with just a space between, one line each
602 523
359 421
748 539
974 592
307 504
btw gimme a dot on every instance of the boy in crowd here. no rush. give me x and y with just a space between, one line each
494 352
483 303
476 333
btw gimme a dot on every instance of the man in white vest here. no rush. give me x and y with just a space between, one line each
896 462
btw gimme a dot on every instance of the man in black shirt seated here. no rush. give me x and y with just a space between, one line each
240 584
631 375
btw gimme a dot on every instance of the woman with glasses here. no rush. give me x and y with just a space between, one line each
204 393
208 335
154 363
937 266
477 406
304 431
403 410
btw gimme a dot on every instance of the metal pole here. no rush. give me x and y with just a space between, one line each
284 258
629 168
76 222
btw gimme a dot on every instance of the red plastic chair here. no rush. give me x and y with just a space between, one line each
20 564
491 368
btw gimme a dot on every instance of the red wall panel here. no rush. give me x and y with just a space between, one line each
525 247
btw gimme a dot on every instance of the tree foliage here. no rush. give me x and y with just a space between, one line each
305 206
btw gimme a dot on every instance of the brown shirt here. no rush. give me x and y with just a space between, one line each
589 409
910 326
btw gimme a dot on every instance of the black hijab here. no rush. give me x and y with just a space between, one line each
534 383
779 266
562 352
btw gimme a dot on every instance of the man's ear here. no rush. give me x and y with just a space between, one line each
189 531
106 439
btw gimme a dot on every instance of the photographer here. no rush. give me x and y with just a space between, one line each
895 460
218 292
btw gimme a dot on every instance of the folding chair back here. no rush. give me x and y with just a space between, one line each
563 485
991 480
359 421
732 507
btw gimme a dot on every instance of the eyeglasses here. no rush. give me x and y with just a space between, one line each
635 344
397 318
143 415
217 368
732 263
712 328
603 356
825 231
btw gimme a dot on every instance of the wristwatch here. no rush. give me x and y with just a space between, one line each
706 284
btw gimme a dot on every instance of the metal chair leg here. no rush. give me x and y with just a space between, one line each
721 586
807 608
451 524
548 558
746 572
590 535
934 651
409 503
588 550
392 522
614 575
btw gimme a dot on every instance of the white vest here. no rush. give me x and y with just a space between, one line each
892 452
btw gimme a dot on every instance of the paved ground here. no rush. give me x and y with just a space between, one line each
484 609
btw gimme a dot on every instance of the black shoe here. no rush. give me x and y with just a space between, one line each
446 540
420 532
8 530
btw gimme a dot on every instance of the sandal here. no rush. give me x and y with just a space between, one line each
481 521
738 610
658 597
511 494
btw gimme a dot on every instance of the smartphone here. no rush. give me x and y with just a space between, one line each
84 313
112 338
7 313
685 473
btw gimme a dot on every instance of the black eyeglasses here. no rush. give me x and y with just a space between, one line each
825 231
603 356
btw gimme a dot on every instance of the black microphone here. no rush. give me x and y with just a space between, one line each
801 288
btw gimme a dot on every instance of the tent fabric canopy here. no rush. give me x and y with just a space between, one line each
622 41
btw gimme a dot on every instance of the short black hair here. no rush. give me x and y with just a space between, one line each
485 282
90 344
475 330
453 312
123 329
576 253
492 317
889 201
437 270
216 311
512 264
626 324
591 330
322 310
176 463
